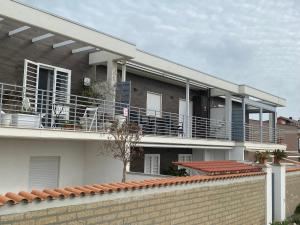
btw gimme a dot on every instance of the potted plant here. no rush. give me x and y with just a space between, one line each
262 157
278 156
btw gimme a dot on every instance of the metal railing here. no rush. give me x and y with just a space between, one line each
41 109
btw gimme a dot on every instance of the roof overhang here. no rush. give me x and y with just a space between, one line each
38 18
155 62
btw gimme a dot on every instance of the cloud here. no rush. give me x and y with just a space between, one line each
253 42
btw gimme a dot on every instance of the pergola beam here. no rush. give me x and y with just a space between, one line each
86 48
64 43
42 37
18 30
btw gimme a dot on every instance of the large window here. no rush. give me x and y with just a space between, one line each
152 164
154 104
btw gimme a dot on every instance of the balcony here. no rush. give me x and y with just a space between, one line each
41 109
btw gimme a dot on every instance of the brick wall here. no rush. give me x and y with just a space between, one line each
292 191
237 201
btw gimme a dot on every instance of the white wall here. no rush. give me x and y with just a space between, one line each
99 167
80 163
237 153
215 154
15 155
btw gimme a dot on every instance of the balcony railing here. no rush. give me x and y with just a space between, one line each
41 109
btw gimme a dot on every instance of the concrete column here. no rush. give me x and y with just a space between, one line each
187 109
124 72
261 125
112 78
279 192
269 209
228 115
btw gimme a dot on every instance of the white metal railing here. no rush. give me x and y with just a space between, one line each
54 110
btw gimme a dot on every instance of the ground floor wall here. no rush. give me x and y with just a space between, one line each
79 162
292 192
227 202
169 155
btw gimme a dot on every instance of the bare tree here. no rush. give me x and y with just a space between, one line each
122 142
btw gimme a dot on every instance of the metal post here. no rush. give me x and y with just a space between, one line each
1 103
261 124
124 71
187 110
75 113
244 120
170 124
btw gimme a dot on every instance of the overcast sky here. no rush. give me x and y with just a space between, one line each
247 42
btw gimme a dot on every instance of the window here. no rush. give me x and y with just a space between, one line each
40 79
43 172
152 164
185 157
298 144
154 104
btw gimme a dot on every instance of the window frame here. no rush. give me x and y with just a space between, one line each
151 165
149 112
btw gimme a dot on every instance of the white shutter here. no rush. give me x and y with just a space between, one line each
31 82
43 172
147 164
152 163
154 104
156 164
62 90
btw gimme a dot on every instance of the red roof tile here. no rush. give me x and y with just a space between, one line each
292 169
220 167
71 192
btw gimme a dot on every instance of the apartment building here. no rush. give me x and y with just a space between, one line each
52 130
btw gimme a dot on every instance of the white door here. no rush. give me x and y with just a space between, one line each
152 164
43 172
61 92
61 87
182 115
31 82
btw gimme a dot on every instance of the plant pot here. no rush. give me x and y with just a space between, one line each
25 120
6 119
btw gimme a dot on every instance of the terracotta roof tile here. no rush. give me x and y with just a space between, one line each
292 169
69 192
30 197
220 167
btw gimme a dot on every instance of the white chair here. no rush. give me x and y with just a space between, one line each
89 120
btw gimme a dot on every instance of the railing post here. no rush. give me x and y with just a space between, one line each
155 127
41 109
75 113
170 124
1 103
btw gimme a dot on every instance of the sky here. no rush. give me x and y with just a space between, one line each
247 42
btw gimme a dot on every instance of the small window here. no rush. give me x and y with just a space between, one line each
298 144
154 104
152 164
184 157
43 172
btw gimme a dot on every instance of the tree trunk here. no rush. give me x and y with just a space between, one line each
124 172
